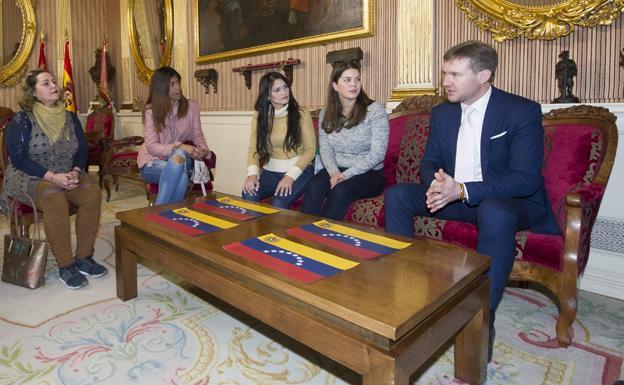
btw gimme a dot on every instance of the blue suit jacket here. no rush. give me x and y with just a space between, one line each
512 152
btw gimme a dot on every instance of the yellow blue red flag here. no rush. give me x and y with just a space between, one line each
234 208
356 242
189 222
296 261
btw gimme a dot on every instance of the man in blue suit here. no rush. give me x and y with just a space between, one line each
482 165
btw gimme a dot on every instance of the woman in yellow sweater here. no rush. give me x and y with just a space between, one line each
282 145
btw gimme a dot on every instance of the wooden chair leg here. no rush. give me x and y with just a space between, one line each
567 315
116 181
107 187
101 176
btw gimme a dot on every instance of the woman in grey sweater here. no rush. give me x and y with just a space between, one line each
353 137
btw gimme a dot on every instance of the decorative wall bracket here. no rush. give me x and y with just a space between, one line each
285 65
208 77
345 55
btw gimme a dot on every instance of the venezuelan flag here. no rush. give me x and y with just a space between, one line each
189 222
359 243
296 261
233 209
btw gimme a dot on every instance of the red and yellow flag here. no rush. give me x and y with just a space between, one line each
68 81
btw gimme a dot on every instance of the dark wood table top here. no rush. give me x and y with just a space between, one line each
388 296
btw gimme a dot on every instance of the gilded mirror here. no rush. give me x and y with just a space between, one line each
151 33
17 30
538 19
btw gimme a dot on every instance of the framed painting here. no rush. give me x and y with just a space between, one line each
226 29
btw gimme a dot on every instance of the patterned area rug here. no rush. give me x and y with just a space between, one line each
174 333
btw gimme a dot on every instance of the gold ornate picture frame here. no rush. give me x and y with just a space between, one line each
12 72
144 69
234 28
538 19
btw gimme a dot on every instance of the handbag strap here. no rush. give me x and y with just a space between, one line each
13 211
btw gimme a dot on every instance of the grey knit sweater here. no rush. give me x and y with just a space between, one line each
360 148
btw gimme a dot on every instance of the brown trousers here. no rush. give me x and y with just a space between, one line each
55 203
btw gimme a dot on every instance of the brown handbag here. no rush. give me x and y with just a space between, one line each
24 258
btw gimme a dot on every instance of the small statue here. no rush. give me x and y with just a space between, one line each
565 71
97 68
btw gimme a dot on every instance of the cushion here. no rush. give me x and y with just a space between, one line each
369 211
412 149
541 249
21 208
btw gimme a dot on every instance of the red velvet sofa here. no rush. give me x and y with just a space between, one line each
579 143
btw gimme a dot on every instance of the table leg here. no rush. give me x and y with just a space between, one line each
125 269
390 374
471 344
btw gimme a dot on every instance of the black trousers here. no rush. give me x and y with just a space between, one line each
321 200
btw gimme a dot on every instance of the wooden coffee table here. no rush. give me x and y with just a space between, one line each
383 318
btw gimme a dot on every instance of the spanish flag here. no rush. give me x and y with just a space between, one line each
294 260
68 81
355 242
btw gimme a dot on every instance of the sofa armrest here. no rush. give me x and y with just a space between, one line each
581 210
111 144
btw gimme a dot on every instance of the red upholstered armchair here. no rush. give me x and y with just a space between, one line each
579 151
100 125
151 189
119 158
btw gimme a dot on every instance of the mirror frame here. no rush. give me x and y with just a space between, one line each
143 71
12 72
507 20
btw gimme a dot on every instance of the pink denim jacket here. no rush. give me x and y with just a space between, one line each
160 145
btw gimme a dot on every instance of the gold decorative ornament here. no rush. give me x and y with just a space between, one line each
12 72
140 52
538 19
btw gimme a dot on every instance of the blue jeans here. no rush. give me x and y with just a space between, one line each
268 184
172 178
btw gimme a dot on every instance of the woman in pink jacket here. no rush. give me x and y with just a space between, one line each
170 120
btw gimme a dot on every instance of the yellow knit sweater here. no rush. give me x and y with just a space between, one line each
288 161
